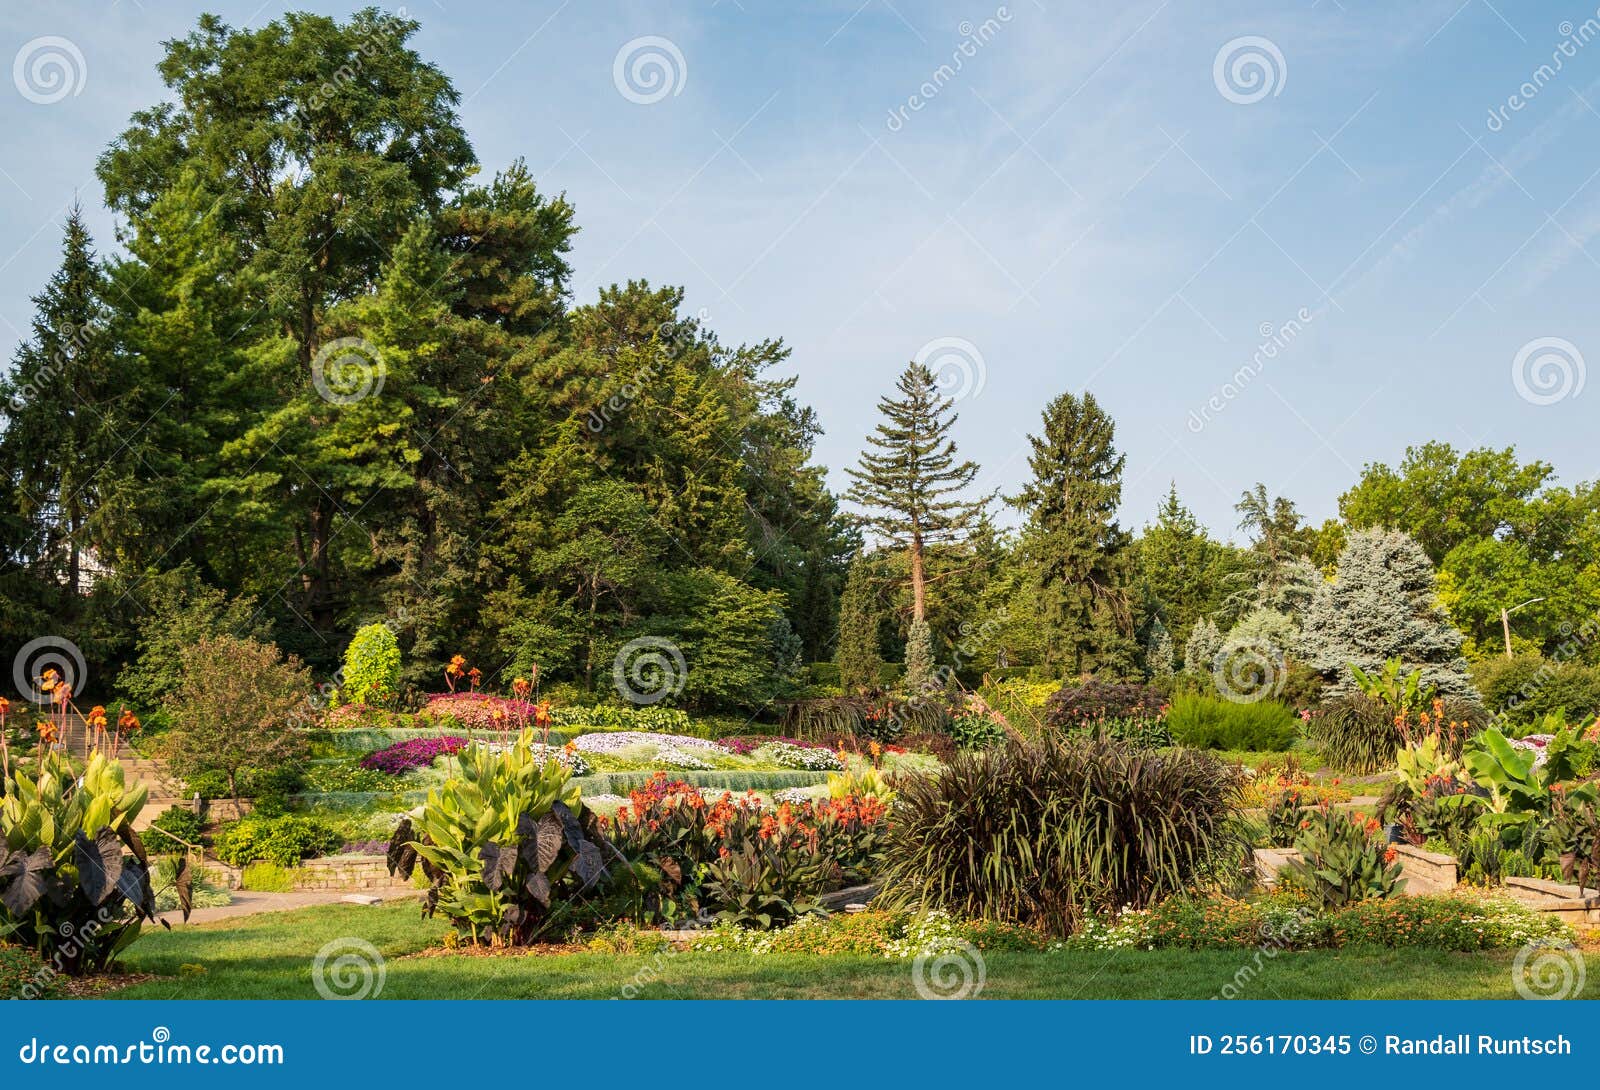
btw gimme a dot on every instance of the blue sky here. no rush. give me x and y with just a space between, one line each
1097 199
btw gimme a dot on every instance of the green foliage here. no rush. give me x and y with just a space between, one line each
237 706
1355 733
1343 859
971 730
1047 833
1285 811
284 840
1402 695
1207 722
371 666
860 615
181 610
182 823
1200 653
1527 687
267 878
74 877
23 975
1072 542
506 845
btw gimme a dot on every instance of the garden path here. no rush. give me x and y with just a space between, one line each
247 903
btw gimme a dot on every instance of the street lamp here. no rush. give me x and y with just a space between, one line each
1505 621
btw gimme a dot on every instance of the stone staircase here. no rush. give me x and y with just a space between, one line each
165 789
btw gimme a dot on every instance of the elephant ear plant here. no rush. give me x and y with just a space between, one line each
74 876
506 845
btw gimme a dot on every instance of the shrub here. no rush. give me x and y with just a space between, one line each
933 743
1208 722
179 821
284 840
344 775
1284 814
976 731
1076 705
1045 833
267 878
236 706
1139 732
1342 860
371 666
506 845
1525 688
74 877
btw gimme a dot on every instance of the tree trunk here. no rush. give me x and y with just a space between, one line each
919 579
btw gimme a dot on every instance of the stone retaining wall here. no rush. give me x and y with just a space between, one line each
347 872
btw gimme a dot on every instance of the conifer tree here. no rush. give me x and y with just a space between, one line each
1205 640
910 485
62 422
1158 650
860 664
1382 604
1072 538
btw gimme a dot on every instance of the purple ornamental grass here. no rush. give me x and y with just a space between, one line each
402 757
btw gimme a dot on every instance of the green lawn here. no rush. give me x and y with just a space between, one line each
269 957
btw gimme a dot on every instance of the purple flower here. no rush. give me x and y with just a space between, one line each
402 757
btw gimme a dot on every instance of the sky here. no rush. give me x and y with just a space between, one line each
1276 241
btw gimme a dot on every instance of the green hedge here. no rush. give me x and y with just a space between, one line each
1208 722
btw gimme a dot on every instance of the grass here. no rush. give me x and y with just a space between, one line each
269 956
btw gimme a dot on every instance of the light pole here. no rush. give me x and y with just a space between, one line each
1505 621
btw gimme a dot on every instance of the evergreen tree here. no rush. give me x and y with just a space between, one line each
919 657
63 419
1158 651
1380 605
1200 652
1177 565
910 485
1072 540
860 663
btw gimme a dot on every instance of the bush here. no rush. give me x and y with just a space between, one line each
284 840
508 849
1525 688
267 878
326 777
371 666
970 731
1076 705
1208 722
67 888
1046 833
182 823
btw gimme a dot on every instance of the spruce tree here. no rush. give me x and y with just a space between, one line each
1382 604
860 664
1176 564
63 426
919 657
1072 539
1158 651
910 484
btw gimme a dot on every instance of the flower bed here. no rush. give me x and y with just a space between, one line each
402 757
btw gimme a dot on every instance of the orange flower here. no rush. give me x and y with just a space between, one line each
97 717
127 722
5 706
47 732
520 688
457 667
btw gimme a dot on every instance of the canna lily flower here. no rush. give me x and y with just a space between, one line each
47 732
127 722
520 688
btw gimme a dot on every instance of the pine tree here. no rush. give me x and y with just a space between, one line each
1177 564
1382 604
1072 539
63 424
860 664
1200 653
910 485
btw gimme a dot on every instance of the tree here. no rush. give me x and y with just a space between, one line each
1200 653
919 657
180 610
1444 499
1072 541
63 422
860 615
1158 651
1179 567
911 484
236 707
1382 604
